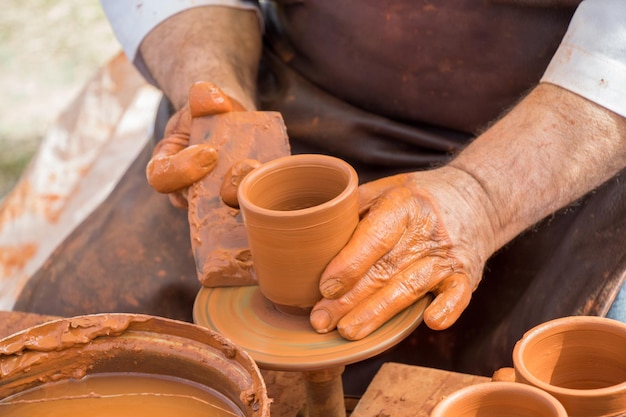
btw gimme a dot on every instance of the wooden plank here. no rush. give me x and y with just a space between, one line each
404 390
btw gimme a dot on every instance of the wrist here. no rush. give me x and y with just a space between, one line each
548 151
466 212
221 45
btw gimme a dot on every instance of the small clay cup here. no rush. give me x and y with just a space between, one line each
579 360
299 212
497 399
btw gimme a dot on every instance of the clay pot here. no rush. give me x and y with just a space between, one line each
102 344
299 211
579 360
496 399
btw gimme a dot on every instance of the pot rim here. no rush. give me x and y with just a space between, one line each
560 325
484 388
102 339
311 160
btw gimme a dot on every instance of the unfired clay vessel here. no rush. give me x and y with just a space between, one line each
100 344
497 399
580 360
299 211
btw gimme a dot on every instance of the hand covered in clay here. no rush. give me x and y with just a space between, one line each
176 164
209 146
416 236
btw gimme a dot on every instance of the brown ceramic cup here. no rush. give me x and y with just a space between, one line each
299 212
579 360
497 399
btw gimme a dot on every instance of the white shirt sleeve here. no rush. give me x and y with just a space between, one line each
132 20
591 60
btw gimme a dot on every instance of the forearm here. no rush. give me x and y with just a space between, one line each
217 44
550 150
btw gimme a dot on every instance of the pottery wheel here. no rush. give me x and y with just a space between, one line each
285 342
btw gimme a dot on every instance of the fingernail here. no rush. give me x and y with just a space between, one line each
350 332
330 287
320 320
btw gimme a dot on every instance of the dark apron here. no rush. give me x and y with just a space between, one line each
466 64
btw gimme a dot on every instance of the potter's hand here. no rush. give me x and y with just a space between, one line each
412 240
243 140
175 164
209 146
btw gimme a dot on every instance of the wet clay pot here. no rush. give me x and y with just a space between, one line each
299 211
497 399
579 360
85 347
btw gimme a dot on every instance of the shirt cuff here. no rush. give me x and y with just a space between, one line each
591 60
132 20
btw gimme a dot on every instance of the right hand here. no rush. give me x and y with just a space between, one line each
416 236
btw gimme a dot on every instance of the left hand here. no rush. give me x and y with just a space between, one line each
175 164
209 146
415 237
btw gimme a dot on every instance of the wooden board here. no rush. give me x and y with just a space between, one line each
404 390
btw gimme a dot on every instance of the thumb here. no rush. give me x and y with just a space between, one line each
232 179
205 99
371 191
169 173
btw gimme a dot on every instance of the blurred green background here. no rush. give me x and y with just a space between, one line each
48 50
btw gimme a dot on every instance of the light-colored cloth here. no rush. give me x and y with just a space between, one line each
79 162
132 20
618 309
591 60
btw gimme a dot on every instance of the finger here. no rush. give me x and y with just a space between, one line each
371 191
179 199
380 307
326 313
365 300
233 178
176 134
375 235
453 296
228 267
206 98
175 140
173 172
170 145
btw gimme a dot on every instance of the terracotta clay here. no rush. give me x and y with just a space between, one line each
299 211
286 342
233 178
93 345
496 399
579 360
218 236
177 164
205 98
122 395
